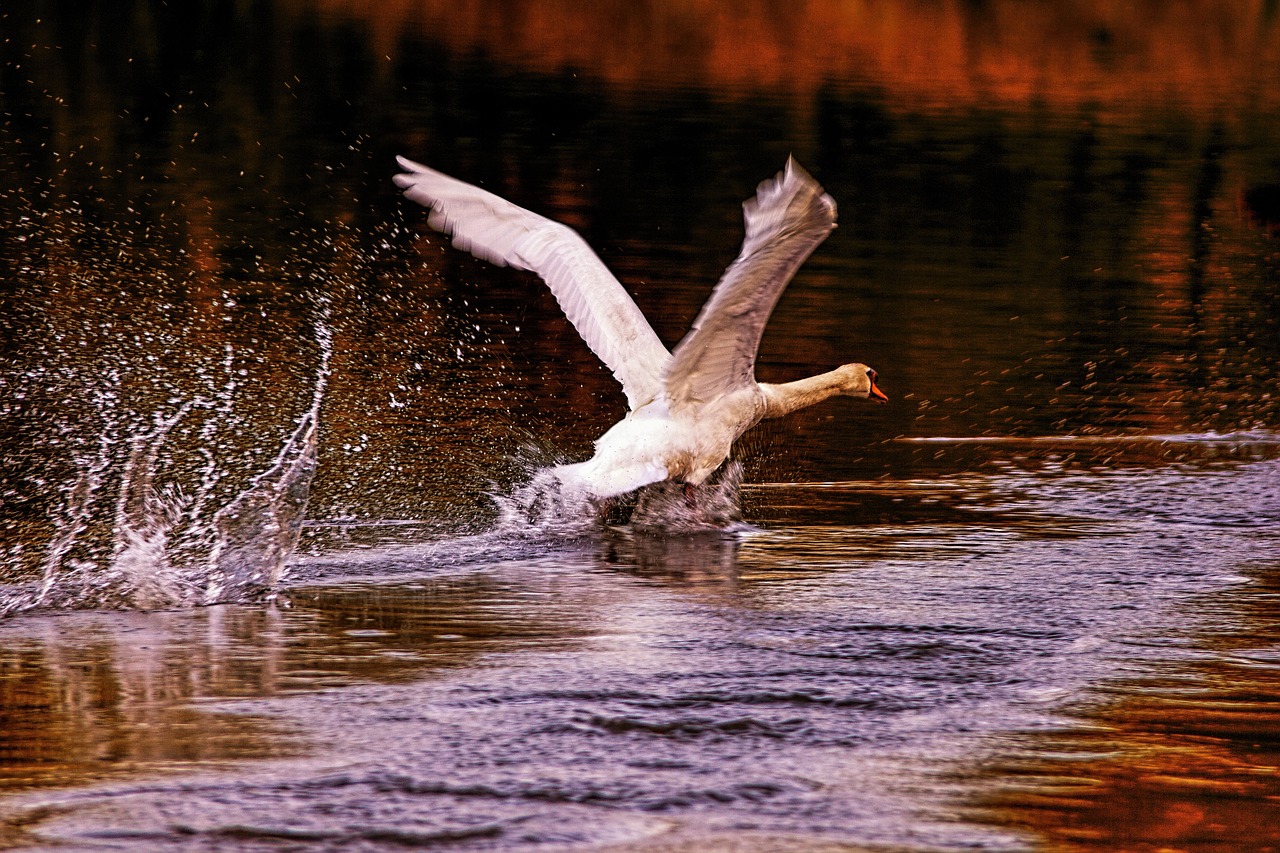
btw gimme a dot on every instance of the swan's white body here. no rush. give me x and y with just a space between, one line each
687 407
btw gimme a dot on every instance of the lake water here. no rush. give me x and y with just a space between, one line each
258 426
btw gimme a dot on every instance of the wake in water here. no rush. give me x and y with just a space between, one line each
535 518
1240 438
166 547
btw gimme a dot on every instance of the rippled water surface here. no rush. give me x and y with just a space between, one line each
260 432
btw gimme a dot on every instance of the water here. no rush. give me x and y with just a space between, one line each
268 578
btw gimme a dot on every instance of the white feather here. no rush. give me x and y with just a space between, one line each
785 222
502 233
687 409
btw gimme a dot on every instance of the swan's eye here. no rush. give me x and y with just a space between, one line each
872 374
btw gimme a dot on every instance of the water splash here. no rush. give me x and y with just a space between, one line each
547 505
671 508
260 528
165 548
74 518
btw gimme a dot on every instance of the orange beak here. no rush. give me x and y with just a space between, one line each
876 394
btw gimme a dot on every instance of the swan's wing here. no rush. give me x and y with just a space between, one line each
785 222
502 233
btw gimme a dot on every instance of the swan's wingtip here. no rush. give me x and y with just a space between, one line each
792 175
409 165
794 169
413 173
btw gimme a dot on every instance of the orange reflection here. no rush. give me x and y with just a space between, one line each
1188 760
104 694
1064 53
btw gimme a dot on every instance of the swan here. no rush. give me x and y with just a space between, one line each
688 406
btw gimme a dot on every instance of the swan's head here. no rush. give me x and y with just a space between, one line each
858 380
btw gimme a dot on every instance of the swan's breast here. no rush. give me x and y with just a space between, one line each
717 426
689 444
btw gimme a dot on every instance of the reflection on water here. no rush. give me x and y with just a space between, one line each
935 54
791 688
1183 752
90 696
1028 604
97 694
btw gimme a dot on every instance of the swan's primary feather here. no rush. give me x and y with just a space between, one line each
498 231
785 222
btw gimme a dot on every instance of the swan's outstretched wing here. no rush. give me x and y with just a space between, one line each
502 233
785 222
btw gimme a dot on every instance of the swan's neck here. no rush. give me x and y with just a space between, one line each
788 397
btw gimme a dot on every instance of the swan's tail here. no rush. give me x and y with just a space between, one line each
601 478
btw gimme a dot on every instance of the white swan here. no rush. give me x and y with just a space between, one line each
687 407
